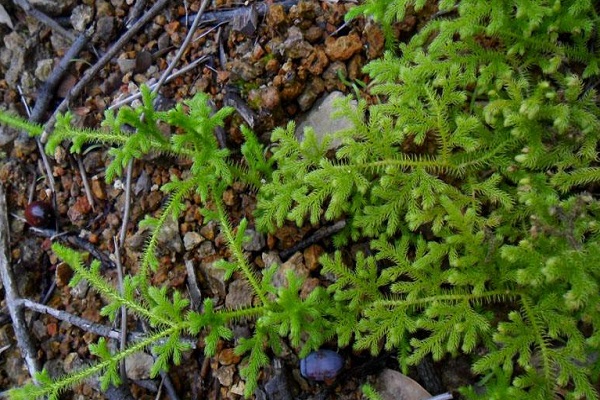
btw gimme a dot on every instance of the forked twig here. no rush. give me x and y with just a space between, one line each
91 72
137 95
183 48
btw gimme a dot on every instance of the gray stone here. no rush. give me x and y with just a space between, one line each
206 249
240 294
104 29
15 57
54 367
7 135
215 278
270 258
5 18
311 92
169 236
225 375
321 121
52 7
294 45
126 65
192 239
44 69
143 184
81 16
80 290
138 366
39 330
392 385
255 240
295 264
73 363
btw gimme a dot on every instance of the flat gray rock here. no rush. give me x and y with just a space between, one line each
320 119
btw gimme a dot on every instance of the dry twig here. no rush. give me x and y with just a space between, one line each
43 18
11 294
123 338
319 235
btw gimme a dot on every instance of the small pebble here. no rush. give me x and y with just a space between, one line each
321 365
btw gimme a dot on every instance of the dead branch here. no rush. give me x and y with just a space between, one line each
84 324
46 93
11 294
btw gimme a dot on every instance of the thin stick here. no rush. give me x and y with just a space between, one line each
123 338
314 238
85 324
227 15
183 47
89 326
11 295
90 73
46 93
43 18
137 95
72 239
86 184
127 202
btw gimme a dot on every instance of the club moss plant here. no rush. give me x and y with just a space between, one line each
474 181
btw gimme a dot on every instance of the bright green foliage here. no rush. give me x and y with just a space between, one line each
134 133
370 393
470 180
473 179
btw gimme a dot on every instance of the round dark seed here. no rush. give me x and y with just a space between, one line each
39 214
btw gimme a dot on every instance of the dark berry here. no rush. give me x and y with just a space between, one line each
39 214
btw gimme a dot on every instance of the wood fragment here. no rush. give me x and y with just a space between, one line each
195 293
246 22
232 99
